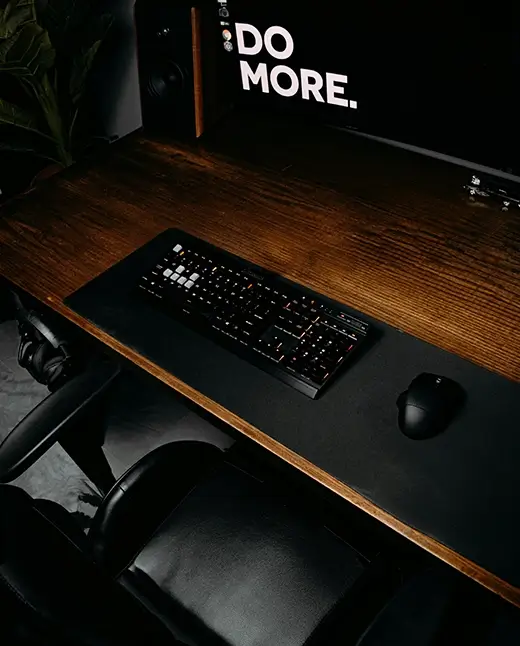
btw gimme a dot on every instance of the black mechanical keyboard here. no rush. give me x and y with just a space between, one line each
276 325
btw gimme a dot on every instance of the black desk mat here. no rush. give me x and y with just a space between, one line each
461 487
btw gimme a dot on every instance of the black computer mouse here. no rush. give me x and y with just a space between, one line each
429 405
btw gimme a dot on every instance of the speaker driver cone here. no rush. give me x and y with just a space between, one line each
165 81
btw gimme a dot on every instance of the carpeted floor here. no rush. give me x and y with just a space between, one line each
144 414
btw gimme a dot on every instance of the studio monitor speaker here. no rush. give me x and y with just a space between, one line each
181 70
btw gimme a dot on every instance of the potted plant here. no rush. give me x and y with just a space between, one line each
47 50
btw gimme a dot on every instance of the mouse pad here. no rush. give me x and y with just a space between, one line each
461 487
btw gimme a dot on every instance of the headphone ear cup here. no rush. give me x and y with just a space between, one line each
26 350
55 372
42 355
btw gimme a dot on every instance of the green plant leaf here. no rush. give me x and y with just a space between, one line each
16 148
50 50
28 150
29 53
13 115
99 26
81 66
21 133
14 15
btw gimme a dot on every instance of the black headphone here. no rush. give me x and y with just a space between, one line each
41 351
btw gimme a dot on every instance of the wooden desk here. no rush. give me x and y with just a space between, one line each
385 231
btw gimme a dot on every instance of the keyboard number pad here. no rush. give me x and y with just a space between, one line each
320 351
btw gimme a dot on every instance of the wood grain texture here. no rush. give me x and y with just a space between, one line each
384 231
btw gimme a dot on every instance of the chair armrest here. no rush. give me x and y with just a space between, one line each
56 415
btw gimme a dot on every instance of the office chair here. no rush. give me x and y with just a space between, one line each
191 548
186 548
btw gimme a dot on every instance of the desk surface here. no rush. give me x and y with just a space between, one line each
384 231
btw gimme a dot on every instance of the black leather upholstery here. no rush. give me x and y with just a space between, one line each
143 497
189 548
52 593
220 556
242 567
216 556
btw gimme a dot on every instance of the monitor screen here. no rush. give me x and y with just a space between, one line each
440 75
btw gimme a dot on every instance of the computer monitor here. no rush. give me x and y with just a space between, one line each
440 77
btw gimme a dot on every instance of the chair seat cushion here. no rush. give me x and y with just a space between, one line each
233 561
